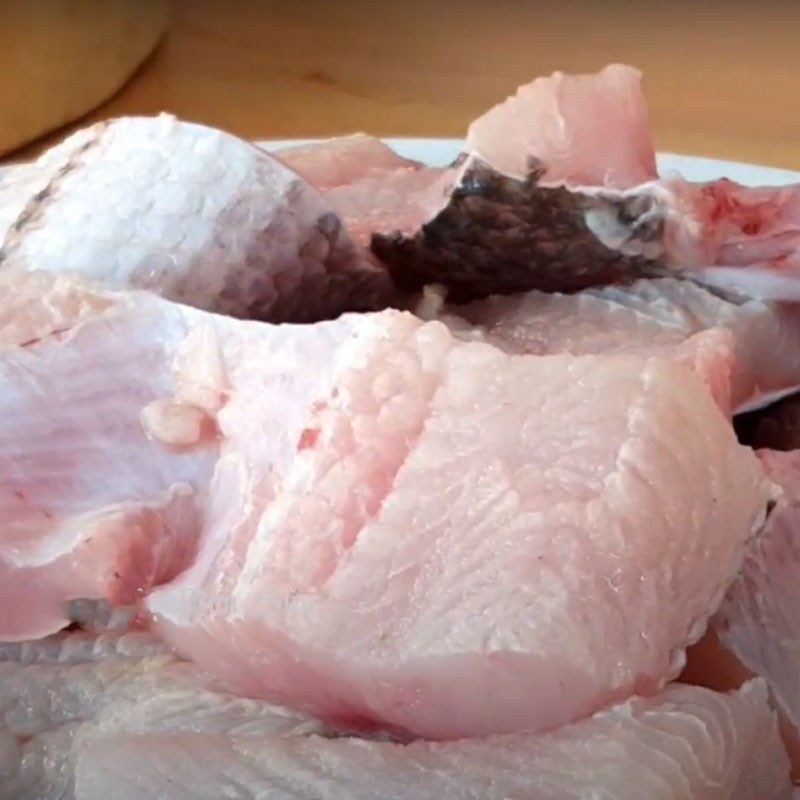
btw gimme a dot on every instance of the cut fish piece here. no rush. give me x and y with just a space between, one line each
371 188
688 742
650 316
90 506
343 160
758 619
134 375
558 192
366 591
582 130
189 212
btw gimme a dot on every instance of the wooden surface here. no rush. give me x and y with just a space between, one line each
723 79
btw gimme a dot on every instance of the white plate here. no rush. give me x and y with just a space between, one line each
437 152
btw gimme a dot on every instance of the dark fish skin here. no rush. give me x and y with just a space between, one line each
500 235
776 427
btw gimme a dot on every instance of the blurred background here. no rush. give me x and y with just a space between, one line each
722 79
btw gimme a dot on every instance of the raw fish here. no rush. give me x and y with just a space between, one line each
189 212
650 316
557 191
109 438
343 161
688 743
758 619
459 527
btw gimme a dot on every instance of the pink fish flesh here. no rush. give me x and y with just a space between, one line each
365 591
758 617
649 316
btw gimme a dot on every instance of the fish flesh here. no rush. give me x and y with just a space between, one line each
655 316
343 160
371 188
366 590
191 213
687 742
557 191
90 505
581 130
186 396
757 619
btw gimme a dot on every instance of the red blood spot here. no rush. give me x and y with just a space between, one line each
308 438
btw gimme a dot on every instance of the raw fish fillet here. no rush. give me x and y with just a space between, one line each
189 212
649 316
686 743
366 590
342 161
369 186
144 377
558 191
91 506
758 619
582 130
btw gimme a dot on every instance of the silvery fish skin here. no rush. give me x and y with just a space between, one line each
189 212
686 742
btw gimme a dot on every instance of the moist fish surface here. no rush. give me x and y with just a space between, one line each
109 437
371 188
189 212
649 316
686 742
131 687
758 620
369 591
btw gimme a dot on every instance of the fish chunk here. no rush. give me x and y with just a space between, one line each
758 618
557 191
371 188
144 377
590 130
687 742
366 592
343 160
649 316
189 212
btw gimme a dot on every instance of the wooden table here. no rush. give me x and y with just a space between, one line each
723 79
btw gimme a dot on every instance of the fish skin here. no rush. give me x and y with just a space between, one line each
45 707
321 604
557 191
78 522
189 212
687 742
